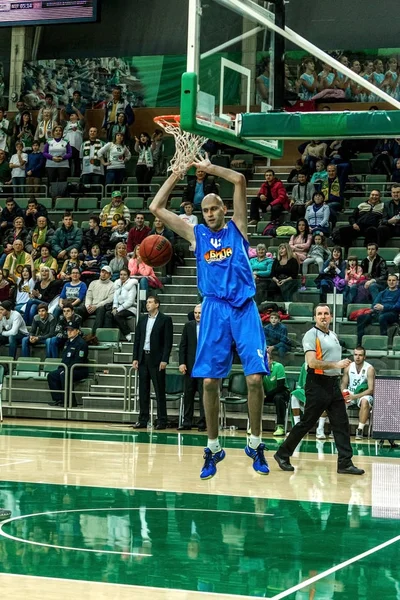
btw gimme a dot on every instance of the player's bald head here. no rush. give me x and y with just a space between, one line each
212 199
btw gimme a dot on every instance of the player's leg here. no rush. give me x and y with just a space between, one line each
250 343
364 405
213 363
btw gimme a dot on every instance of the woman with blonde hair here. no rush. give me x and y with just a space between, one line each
119 262
45 290
145 273
284 272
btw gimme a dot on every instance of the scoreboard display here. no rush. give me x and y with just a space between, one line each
15 13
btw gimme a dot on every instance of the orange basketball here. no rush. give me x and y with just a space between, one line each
156 251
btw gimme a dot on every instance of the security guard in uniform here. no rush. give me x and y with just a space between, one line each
323 355
75 352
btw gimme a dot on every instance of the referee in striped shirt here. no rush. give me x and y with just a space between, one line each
323 355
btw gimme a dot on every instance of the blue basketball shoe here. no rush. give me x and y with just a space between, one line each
210 463
260 464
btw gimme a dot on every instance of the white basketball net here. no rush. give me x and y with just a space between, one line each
187 147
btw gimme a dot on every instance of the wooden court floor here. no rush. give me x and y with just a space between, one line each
101 511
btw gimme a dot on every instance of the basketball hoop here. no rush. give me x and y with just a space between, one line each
187 145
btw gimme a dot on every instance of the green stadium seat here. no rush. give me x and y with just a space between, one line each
349 340
135 203
388 253
236 395
87 204
51 364
301 310
360 253
46 202
353 307
22 202
27 365
360 166
175 203
65 204
375 343
396 344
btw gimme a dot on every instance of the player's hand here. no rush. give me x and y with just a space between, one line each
342 364
182 369
203 164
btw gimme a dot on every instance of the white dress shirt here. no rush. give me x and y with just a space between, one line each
149 329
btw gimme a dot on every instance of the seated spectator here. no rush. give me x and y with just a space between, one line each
120 234
359 379
390 225
317 254
116 155
45 259
8 214
45 127
39 236
187 214
124 304
301 242
261 266
5 172
17 260
396 172
91 265
75 352
302 195
353 276
73 292
375 272
137 233
33 212
332 189
145 163
17 166
60 333
92 166
66 237
276 336
12 328
42 331
294 173
314 151
277 392
25 285
122 127
272 197
160 229
381 162
115 210
95 235
119 261
18 232
320 175
318 214
308 82
100 295
385 309
332 275
70 263
284 272
363 222
45 290
4 287
57 152
197 188
144 273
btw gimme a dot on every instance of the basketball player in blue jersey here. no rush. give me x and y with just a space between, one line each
229 313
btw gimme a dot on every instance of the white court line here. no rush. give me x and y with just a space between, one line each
346 563
16 462
82 510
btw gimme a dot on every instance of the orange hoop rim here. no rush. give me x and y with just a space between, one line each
168 120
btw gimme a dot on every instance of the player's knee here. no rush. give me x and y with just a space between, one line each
211 385
254 381
364 402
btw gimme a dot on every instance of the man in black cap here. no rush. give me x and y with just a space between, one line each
75 352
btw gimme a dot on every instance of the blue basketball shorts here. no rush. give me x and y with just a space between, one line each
222 326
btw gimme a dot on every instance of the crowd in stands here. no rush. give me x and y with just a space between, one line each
311 79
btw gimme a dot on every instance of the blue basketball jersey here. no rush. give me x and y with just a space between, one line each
223 265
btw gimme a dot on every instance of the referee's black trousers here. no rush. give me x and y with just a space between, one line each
322 393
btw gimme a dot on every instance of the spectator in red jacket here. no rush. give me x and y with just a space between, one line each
272 197
137 234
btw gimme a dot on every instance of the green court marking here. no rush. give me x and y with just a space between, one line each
216 544
174 439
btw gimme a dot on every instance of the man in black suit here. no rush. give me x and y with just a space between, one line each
187 356
151 350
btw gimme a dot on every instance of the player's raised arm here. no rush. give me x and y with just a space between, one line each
239 194
158 207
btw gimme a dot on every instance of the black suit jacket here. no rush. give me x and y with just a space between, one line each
188 346
161 339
